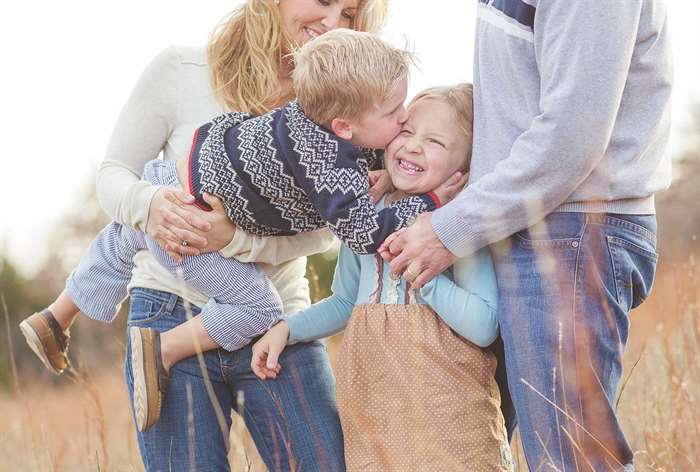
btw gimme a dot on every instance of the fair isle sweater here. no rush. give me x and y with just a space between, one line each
571 109
281 174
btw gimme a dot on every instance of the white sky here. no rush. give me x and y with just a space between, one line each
70 66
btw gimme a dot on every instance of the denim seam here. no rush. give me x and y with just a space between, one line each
621 223
633 247
613 253
577 297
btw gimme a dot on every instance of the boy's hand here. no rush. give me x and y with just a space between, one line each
451 187
379 184
267 350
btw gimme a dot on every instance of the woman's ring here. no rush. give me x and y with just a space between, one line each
412 274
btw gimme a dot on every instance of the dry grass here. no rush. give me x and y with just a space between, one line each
84 424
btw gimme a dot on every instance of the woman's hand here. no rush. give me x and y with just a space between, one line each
183 229
267 350
379 184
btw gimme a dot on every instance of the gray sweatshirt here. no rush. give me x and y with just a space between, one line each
572 109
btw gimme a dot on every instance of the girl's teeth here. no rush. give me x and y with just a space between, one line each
311 33
409 166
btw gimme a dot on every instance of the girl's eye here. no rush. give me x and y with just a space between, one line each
325 3
435 141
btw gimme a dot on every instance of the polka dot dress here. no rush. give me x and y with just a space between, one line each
414 396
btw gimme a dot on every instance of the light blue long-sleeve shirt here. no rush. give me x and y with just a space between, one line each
466 301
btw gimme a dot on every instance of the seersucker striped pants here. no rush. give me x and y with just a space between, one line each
242 301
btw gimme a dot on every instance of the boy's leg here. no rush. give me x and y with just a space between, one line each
566 286
192 433
96 287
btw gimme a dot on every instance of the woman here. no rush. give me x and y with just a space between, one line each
293 421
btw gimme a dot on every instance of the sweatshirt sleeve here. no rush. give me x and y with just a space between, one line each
468 304
139 135
330 315
276 250
584 50
341 196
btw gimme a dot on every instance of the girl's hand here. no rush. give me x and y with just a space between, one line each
267 350
379 184
183 229
451 187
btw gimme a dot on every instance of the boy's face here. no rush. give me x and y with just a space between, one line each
376 128
428 150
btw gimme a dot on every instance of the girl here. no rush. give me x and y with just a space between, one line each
416 388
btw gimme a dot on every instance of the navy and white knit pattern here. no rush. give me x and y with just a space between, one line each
242 302
281 173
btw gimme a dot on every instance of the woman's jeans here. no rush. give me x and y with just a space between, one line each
566 287
293 419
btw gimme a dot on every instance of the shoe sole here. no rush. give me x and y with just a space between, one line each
146 397
34 342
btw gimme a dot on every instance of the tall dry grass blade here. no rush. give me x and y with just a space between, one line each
578 448
544 448
10 346
221 420
573 420
629 376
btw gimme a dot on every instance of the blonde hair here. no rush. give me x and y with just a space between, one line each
344 73
460 99
246 49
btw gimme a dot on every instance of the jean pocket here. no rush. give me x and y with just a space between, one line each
143 311
634 267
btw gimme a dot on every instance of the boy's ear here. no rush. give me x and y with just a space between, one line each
341 128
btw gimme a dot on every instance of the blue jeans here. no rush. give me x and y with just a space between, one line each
566 287
293 419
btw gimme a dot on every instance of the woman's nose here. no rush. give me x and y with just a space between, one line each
332 19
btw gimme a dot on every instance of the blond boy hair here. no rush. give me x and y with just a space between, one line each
345 73
460 99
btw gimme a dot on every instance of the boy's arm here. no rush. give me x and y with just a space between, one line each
330 315
276 250
468 306
338 187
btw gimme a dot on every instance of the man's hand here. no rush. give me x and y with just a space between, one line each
267 350
416 252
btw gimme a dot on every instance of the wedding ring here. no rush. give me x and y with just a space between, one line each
411 273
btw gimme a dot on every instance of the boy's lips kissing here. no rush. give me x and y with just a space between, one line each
409 167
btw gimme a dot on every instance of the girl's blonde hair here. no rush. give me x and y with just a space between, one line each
460 99
246 49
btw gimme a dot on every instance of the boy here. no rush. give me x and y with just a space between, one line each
294 169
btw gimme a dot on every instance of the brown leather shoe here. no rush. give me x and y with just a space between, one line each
150 377
48 341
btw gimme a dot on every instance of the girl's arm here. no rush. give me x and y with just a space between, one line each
330 315
468 304
321 319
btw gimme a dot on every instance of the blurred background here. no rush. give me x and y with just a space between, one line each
70 66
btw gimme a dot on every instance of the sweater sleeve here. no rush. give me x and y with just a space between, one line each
139 135
330 315
276 250
341 196
584 50
468 306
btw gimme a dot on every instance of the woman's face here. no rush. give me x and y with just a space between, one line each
428 150
303 20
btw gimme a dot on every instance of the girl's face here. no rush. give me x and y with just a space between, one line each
303 20
429 148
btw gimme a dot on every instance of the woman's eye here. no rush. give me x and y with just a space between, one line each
348 16
325 3
406 132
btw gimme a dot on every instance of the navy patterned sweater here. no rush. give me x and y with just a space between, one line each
280 174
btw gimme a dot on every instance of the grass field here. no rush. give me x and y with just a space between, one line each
82 423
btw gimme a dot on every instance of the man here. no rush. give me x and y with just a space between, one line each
572 120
